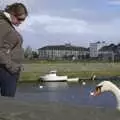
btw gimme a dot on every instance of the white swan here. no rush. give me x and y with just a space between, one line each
105 86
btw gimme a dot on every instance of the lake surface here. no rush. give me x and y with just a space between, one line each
62 92
58 101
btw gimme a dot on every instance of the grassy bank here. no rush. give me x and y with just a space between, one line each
32 71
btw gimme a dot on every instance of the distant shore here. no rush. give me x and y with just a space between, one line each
112 78
32 71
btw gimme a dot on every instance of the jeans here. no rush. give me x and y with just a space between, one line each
8 83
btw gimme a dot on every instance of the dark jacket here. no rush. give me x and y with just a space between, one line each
11 51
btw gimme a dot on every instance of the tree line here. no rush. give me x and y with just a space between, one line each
29 53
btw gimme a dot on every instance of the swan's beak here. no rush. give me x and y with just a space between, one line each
97 91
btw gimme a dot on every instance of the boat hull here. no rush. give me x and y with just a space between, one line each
54 79
73 79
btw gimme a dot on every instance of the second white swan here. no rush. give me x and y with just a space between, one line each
107 86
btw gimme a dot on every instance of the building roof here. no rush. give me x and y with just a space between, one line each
63 47
110 47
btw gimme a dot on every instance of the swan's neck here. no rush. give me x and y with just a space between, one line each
116 91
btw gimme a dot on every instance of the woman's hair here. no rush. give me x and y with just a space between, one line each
16 8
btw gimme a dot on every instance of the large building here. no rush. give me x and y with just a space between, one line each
66 51
110 52
95 47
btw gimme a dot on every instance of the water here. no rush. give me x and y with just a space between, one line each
58 101
73 94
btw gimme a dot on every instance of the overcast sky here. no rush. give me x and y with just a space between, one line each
79 22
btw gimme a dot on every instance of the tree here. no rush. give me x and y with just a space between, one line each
35 54
28 52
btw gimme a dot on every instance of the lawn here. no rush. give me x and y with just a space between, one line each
32 71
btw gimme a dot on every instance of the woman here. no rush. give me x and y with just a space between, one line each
11 51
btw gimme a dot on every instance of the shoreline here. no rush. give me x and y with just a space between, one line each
116 78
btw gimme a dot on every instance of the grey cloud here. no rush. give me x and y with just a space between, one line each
102 24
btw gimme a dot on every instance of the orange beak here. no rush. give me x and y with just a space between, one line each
97 91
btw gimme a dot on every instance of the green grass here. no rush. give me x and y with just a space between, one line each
32 71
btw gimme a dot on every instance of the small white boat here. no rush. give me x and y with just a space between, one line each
73 79
52 77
